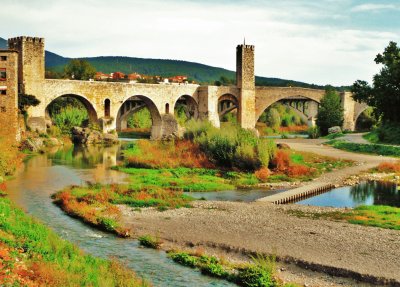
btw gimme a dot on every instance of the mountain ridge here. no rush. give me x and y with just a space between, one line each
162 67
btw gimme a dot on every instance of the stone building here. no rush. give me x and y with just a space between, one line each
9 95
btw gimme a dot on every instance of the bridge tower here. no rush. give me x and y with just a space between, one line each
31 65
245 82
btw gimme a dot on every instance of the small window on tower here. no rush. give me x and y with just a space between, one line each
3 92
3 58
3 74
3 109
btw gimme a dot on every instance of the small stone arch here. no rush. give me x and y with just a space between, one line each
122 116
93 118
360 111
227 103
191 107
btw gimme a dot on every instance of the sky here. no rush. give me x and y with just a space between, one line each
314 41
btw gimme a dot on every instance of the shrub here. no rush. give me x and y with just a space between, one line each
150 241
214 269
141 119
273 118
69 117
313 132
262 174
281 161
183 258
266 151
254 276
389 167
298 170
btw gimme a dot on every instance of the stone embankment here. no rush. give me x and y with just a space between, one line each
87 136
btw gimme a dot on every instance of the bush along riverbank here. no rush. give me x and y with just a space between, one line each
33 255
376 149
260 273
387 217
160 172
96 204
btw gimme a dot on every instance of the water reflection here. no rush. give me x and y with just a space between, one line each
364 193
45 174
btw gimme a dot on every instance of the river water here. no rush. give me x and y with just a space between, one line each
45 174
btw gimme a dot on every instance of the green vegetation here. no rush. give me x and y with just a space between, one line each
150 241
232 147
260 273
384 94
45 259
179 179
387 133
334 136
378 216
280 119
313 132
66 113
330 112
377 149
366 121
141 119
164 68
79 69
95 203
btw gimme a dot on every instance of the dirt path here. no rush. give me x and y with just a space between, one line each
355 138
234 229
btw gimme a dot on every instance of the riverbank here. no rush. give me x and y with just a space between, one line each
33 255
239 229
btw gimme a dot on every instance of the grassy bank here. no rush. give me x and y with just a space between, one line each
260 273
33 255
376 149
95 204
378 216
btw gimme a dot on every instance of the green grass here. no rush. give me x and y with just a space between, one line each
372 137
40 244
181 179
134 134
150 241
259 273
376 149
382 216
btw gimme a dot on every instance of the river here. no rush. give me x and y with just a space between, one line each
42 175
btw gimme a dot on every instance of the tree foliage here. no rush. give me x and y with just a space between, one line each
384 94
26 101
330 112
79 70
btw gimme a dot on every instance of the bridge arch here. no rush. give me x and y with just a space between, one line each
187 105
142 102
226 104
92 114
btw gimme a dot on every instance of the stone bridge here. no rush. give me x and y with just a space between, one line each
111 103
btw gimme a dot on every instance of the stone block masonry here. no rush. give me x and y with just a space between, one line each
9 95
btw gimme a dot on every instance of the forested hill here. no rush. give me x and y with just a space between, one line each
3 43
165 68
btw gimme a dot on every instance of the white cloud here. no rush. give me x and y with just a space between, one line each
374 7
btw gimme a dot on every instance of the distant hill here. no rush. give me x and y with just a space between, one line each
165 68
3 43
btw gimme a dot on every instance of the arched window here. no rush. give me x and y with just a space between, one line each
107 104
167 108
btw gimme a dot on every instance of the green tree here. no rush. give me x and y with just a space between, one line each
26 101
79 69
384 95
273 118
330 112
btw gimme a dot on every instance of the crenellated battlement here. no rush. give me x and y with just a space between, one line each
243 46
26 39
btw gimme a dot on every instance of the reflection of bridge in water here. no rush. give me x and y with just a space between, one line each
111 104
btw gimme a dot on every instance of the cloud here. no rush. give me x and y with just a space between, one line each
311 41
371 7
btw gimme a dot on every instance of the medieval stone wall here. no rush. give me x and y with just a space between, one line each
9 95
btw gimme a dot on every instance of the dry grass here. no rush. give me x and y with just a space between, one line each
152 154
389 167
